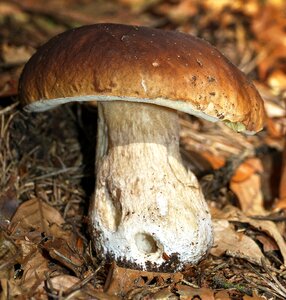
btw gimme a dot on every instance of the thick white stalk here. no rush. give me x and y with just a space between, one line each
148 211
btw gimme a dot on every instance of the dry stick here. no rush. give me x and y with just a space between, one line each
190 284
261 287
8 108
57 172
82 283
274 278
273 218
277 291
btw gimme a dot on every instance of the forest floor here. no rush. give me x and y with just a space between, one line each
47 161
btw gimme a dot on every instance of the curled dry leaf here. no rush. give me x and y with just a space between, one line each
36 216
13 55
267 243
269 28
277 81
180 12
249 194
59 250
34 224
62 283
227 239
188 292
70 287
35 268
246 169
233 214
121 280
8 9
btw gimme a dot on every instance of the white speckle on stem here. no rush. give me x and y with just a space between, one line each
162 204
144 85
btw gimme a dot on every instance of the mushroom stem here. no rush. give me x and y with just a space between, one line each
148 211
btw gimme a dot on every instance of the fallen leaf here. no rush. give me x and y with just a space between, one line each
15 55
180 12
249 194
269 28
267 243
233 214
72 287
35 269
9 9
227 239
216 161
121 280
277 81
188 292
246 169
60 251
36 216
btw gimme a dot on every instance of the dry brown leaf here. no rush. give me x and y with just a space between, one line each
275 128
71 288
277 80
62 282
36 216
222 295
60 251
249 195
215 161
267 243
227 239
14 55
9 82
35 270
138 5
246 169
179 12
232 213
218 6
164 293
121 280
269 28
36 226
188 292
7 9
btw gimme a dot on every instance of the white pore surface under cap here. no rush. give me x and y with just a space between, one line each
43 105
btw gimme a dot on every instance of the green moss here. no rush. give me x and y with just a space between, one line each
236 126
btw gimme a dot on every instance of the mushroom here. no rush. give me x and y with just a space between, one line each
148 211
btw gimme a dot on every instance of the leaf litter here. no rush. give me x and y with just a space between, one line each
47 173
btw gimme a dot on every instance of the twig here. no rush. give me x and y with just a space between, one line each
273 218
82 283
8 108
278 289
190 284
57 172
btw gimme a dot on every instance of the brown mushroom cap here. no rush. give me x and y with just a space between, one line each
121 62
